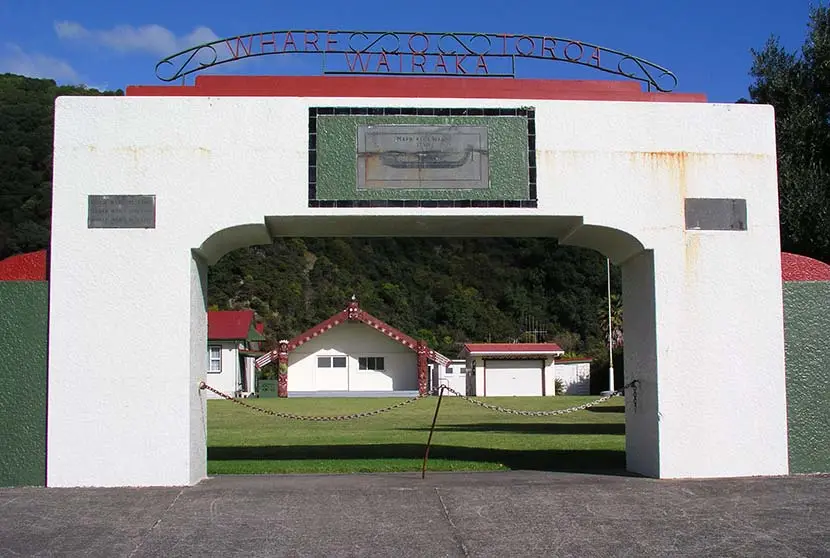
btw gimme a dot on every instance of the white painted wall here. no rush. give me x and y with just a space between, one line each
575 376
353 340
228 380
550 377
477 364
611 176
452 376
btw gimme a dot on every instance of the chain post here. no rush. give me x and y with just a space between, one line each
431 430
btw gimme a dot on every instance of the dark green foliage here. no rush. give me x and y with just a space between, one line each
798 86
599 371
444 291
26 130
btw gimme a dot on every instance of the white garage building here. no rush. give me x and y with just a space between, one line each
511 368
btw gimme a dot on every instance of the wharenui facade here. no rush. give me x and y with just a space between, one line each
352 352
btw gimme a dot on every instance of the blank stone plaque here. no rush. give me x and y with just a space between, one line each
122 212
716 214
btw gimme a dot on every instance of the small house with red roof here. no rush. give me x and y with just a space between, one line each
234 341
516 369
352 353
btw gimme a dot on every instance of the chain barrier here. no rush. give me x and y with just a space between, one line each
311 418
497 408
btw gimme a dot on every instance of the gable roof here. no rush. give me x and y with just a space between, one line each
516 349
352 313
232 325
24 267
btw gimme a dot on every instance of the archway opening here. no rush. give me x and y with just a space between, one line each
307 250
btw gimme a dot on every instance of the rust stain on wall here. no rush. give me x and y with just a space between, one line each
672 162
691 255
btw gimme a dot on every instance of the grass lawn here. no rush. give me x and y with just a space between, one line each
467 437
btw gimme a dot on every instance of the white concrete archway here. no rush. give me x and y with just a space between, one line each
703 312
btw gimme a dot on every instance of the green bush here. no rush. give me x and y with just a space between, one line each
558 387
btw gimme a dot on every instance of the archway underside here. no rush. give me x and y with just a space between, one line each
617 245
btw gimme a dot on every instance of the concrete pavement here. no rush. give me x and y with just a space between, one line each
448 514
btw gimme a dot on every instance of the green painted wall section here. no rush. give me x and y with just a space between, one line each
807 338
337 158
23 339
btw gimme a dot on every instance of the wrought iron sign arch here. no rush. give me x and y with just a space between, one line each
416 53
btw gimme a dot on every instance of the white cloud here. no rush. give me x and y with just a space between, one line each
15 60
153 39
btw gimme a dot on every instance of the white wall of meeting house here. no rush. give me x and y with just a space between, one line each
644 183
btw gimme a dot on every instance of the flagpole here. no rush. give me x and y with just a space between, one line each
610 338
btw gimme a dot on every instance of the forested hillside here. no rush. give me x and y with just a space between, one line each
26 127
444 291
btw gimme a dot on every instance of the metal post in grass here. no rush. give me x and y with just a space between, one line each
431 430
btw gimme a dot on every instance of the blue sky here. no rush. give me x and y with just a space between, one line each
107 44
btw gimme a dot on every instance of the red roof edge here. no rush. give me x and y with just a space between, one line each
353 313
511 347
801 268
408 87
25 267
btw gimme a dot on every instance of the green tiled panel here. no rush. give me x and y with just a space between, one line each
337 158
807 337
23 338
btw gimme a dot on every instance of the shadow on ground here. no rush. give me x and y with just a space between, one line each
594 461
608 409
529 428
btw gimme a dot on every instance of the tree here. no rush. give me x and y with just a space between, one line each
797 84
26 128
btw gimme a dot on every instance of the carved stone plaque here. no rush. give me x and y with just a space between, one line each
422 157
121 212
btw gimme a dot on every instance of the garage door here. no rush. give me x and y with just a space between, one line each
513 377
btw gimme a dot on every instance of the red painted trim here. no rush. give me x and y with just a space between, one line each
317 330
354 313
24 267
411 88
507 348
802 268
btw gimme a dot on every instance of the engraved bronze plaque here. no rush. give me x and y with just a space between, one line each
422 157
121 212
